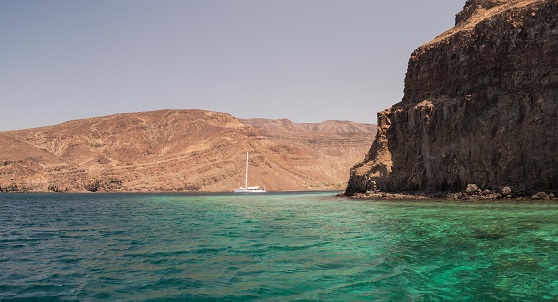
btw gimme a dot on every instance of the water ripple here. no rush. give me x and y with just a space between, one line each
277 247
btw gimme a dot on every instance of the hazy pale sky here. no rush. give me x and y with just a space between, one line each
306 60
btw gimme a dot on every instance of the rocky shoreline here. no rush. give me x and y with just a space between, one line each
471 193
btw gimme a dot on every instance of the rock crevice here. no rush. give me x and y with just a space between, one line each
480 106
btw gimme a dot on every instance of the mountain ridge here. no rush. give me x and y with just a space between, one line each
175 150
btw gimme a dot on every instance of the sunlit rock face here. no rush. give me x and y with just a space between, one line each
480 106
477 6
180 150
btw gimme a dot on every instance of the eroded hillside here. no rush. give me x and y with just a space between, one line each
179 150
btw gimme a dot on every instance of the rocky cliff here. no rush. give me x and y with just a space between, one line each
480 106
179 150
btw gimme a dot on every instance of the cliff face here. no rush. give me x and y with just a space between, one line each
179 150
480 106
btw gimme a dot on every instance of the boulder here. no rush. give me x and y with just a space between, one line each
540 196
471 189
506 191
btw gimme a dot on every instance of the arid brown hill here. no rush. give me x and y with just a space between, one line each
180 150
480 106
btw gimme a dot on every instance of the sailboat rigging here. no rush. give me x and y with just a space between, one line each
246 188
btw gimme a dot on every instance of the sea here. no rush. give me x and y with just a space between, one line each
274 247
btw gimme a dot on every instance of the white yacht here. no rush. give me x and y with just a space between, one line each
246 188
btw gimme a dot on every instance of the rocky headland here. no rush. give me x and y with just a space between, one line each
479 114
180 151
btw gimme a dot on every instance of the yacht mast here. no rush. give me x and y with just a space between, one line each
246 185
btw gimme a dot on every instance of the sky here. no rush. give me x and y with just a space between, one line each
305 60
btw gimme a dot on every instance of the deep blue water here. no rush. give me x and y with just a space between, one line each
273 247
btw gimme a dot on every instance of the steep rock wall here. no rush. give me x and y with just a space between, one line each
480 106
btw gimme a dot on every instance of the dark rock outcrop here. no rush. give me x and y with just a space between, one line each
480 106
473 193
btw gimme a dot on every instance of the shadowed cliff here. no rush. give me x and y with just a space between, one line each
480 106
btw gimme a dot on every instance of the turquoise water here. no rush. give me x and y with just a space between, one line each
274 247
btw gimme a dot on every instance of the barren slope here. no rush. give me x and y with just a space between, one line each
178 150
